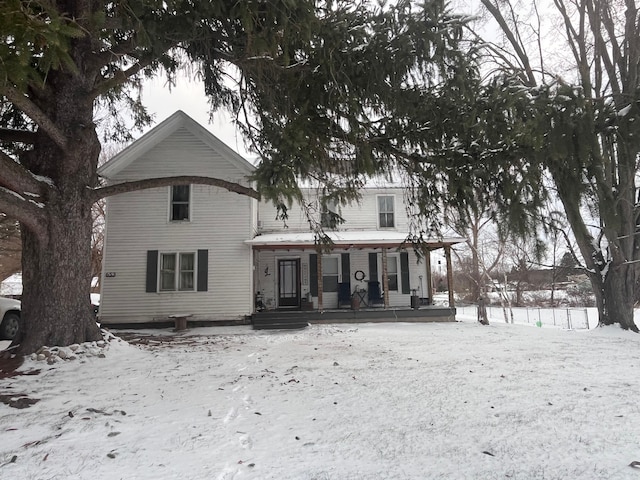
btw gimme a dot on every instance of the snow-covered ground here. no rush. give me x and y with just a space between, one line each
368 401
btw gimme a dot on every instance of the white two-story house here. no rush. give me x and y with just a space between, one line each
217 256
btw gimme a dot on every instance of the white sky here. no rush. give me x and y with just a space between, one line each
188 96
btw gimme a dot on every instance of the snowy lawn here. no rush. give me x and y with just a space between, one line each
368 401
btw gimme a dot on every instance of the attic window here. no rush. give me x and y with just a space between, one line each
180 196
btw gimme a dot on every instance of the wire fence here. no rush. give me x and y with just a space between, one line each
567 318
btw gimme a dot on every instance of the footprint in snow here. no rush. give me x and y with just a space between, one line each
227 474
246 442
233 413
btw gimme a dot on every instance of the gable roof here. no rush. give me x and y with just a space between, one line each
163 130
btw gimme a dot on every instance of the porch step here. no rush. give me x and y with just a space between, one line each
280 326
277 320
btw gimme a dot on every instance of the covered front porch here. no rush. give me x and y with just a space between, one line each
362 276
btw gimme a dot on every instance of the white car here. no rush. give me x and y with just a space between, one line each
10 318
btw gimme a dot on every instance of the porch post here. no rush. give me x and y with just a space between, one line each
385 278
447 253
320 286
428 292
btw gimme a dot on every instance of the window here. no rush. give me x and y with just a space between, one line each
177 269
330 269
392 273
329 215
386 211
180 202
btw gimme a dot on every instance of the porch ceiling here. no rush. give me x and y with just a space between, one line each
344 240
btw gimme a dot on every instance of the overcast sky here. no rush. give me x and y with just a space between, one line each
189 97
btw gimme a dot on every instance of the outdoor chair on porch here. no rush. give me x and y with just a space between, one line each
344 295
374 294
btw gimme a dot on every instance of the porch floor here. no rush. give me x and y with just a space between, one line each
275 319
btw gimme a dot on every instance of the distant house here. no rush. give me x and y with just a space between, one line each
218 256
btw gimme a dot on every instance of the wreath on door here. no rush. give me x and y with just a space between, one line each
359 275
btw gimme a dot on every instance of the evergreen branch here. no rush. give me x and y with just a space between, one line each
17 178
120 77
28 212
125 187
34 113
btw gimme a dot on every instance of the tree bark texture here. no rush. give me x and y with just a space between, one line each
56 260
618 297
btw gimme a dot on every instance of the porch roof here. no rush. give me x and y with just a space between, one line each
344 240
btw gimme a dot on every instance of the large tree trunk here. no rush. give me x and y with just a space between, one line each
618 297
56 256
56 276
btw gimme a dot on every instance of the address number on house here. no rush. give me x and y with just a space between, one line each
110 274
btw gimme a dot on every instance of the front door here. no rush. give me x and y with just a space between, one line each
289 283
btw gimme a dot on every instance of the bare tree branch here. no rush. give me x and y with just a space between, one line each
168 181
34 113
520 53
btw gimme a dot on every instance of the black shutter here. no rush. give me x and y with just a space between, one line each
404 271
346 270
373 267
203 270
313 274
152 271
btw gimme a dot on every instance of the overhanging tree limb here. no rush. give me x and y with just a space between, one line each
121 77
30 109
125 187
17 178
20 136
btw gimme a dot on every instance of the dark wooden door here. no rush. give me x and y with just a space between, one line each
289 283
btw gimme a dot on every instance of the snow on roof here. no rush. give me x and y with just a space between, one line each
363 238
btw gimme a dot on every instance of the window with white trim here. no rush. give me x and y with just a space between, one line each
330 273
177 271
180 203
392 272
328 217
386 211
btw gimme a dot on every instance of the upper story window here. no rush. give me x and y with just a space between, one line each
177 271
386 215
329 215
180 199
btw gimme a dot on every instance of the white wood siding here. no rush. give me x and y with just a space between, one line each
362 215
139 221
182 153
